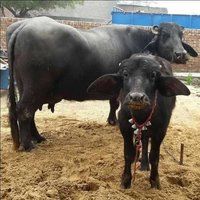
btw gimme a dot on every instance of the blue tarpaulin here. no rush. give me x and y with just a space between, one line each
4 76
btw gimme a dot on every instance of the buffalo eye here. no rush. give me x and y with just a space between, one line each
153 75
125 74
165 36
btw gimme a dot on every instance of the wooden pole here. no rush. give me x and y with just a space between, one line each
181 154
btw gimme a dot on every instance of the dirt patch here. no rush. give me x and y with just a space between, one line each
83 156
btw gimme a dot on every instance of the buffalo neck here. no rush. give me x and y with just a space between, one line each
141 38
141 115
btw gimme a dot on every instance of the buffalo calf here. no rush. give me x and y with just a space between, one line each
147 94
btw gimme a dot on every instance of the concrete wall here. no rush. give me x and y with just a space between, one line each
145 9
192 37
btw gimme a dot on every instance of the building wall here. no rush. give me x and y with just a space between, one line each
144 9
192 37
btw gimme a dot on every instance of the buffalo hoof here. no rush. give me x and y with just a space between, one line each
144 167
39 139
126 181
112 122
155 184
26 147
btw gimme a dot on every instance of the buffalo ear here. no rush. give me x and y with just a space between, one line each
170 86
106 86
190 50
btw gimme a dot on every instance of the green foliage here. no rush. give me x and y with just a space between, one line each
21 8
189 79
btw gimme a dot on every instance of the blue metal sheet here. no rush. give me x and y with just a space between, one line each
148 19
4 75
158 18
142 19
183 20
121 18
195 21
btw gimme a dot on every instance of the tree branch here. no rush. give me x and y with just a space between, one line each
24 12
2 10
11 10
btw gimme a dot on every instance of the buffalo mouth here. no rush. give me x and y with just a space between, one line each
137 106
182 59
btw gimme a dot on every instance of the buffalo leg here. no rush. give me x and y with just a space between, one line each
154 161
145 158
114 105
129 155
25 115
34 132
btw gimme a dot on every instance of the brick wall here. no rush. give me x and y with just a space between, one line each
6 21
192 37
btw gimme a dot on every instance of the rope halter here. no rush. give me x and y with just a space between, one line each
138 128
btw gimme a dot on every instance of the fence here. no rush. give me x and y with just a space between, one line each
150 19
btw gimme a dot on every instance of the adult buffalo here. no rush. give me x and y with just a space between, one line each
52 61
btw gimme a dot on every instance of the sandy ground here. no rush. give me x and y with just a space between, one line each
83 156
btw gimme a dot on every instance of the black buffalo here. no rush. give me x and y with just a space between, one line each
52 61
147 95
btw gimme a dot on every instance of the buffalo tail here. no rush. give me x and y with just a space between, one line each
11 91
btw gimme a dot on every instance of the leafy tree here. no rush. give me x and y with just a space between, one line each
21 8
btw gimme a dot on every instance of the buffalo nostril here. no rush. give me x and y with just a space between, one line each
142 98
137 97
145 99
177 54
132 97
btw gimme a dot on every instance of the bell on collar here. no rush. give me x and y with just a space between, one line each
136 132
134 126
130 121
148 123
144 128
134 141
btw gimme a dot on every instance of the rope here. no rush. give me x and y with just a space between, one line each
139 128
138 149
